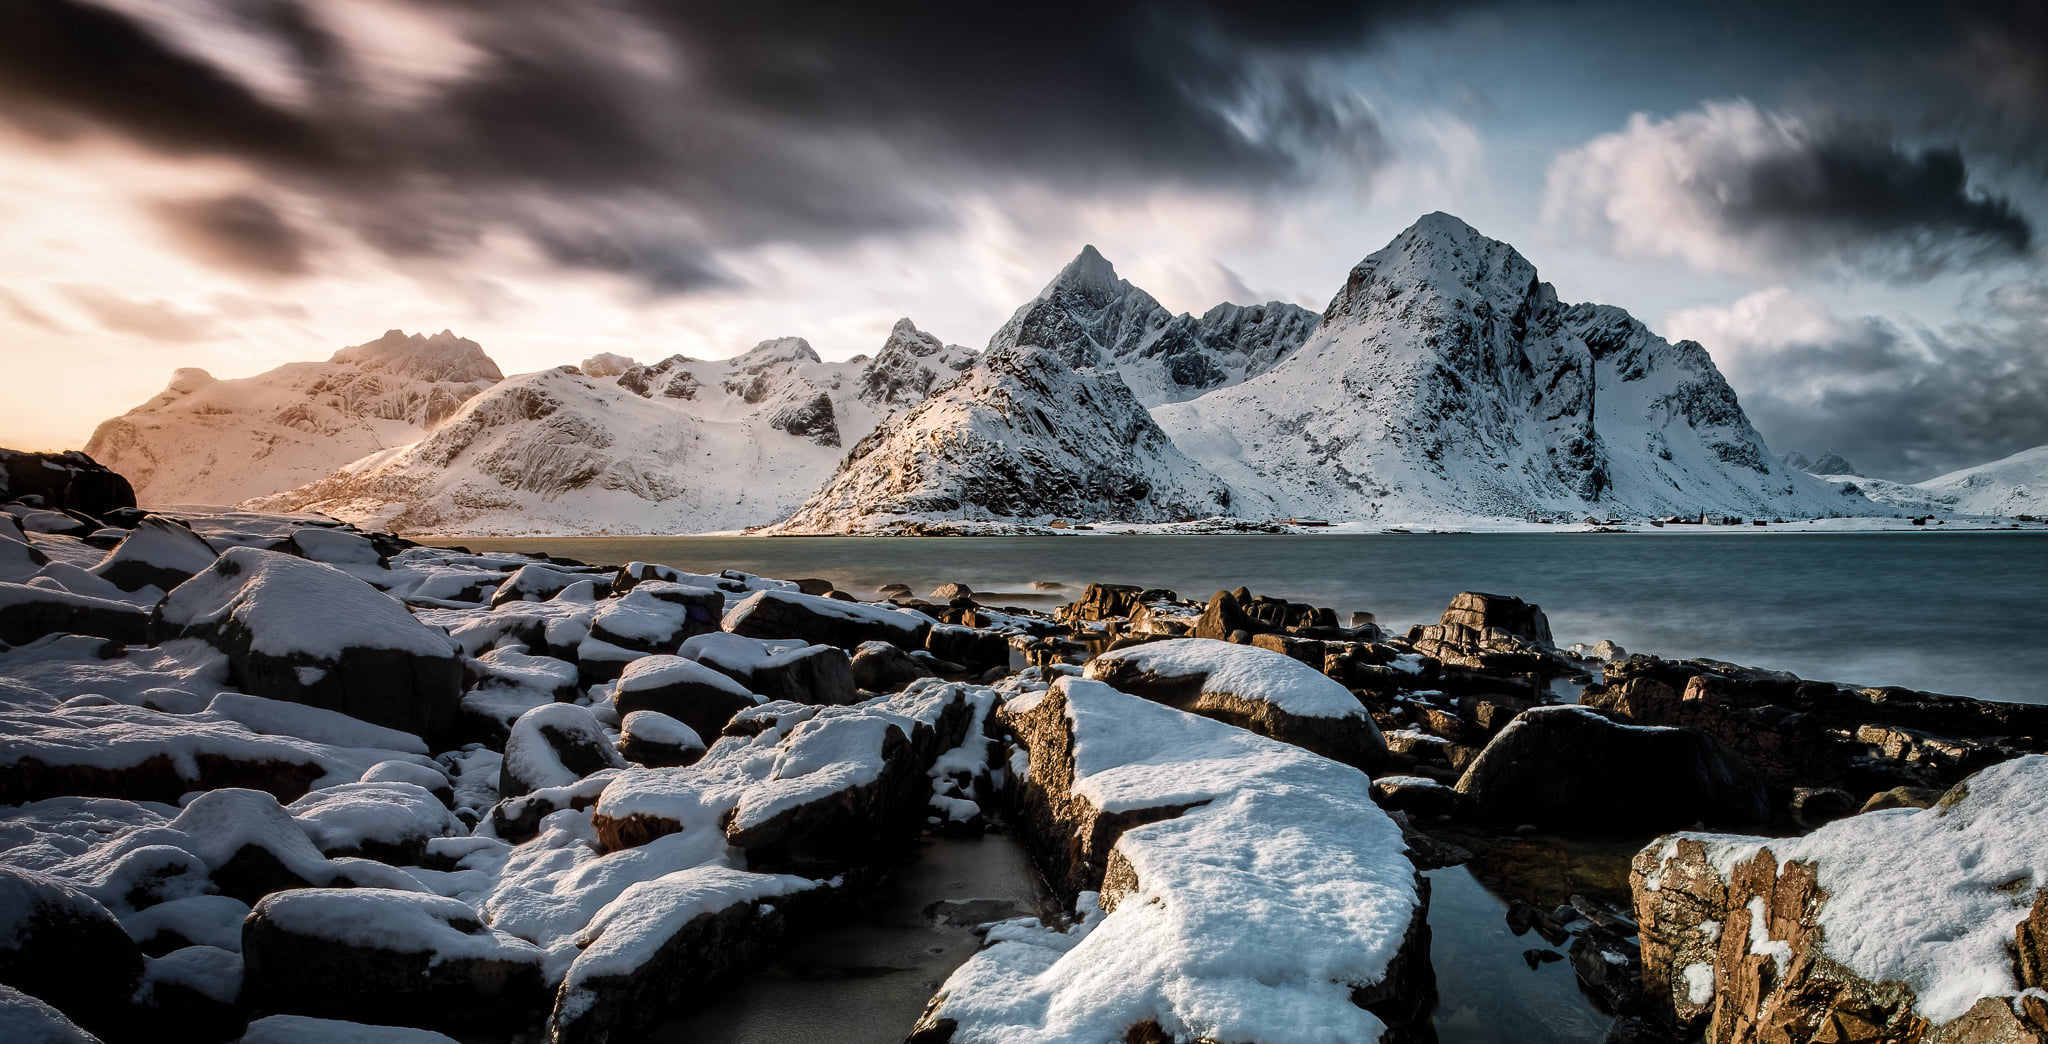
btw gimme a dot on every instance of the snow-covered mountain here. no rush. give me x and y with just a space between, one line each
1091 318
208 441
1447 381
2015 485
1022 437
678 445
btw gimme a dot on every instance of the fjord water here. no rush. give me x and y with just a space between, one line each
1961 613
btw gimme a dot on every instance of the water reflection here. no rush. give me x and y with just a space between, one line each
1487 991
867 981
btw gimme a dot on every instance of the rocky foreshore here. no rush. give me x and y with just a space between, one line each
274 778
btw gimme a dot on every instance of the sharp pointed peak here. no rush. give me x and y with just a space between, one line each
1088 272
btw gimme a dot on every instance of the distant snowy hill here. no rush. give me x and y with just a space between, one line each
1447 381
1023 437
2015 485
207 441
1091 318
679 445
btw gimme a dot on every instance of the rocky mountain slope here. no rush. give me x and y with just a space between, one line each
678 445
1022 437
1092 318
208 441
1447 381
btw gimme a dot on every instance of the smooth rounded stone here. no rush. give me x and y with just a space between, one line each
309 633
554 746
1046 585
299 1029
882 667
948 592
26 1020
690 692
1813 806
1902 797
56 523
822 621
62 947
890 590
250 843
411 958
812 585
158 553
31 612
1417 795
654 740
971 648
390 822
1573 768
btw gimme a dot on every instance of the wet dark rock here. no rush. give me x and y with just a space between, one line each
974 650
655 740
692 693
1571 768
882 667
1813 806
821 621
157 553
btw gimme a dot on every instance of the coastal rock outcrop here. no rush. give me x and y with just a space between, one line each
1903 925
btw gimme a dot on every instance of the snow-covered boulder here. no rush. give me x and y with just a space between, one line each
310 633
655 616
389 821
1901 925
197 989
538 583
30 1021
816 791
554 745
400 957
685 690
61 946
665 938
1574 768
157 553
509 682
652 739
1248 890
298 1029
778 669
825 621
28 612
1266 692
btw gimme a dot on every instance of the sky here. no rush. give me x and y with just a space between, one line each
1842 201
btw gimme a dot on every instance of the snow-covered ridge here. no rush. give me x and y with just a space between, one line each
208 441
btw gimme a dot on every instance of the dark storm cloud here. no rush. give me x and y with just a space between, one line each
725 124
1906 404
236 231
1735 187
1857 194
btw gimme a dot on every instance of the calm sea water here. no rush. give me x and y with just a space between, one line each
1951 612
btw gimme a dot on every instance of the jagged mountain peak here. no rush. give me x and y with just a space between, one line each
441 357
1090 277
775 351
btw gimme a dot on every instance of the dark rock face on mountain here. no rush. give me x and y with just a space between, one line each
1023 437
1091 318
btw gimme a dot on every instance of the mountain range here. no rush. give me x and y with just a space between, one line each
1444 383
